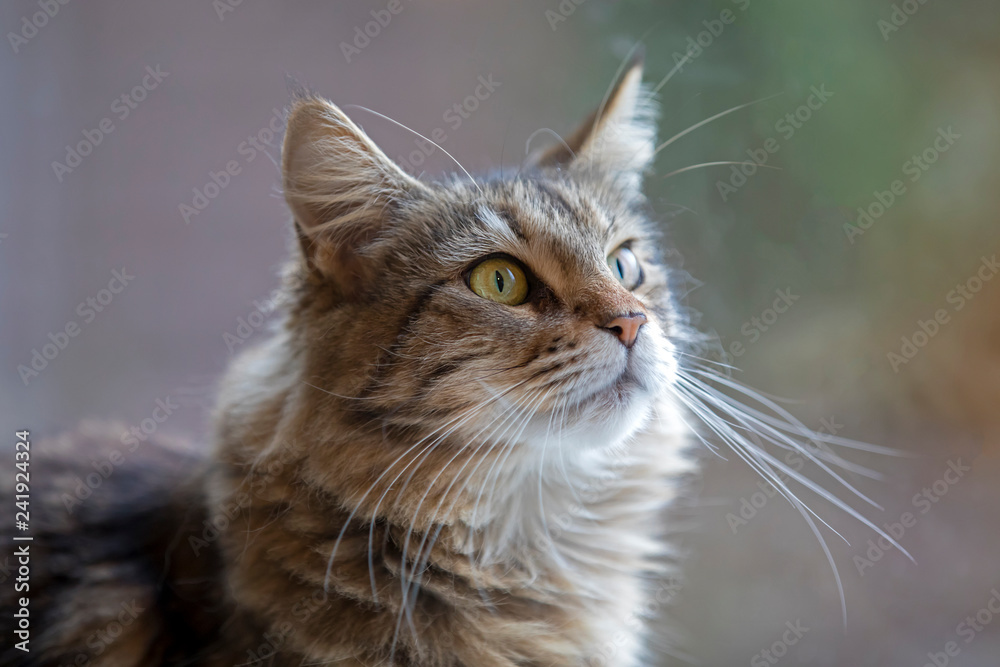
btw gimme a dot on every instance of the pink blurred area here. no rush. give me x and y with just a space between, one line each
222 80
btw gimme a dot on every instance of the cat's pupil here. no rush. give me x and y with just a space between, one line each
620 268
499 282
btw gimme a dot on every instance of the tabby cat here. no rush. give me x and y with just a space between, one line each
455 448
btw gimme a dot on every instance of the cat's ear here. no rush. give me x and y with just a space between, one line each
617 140
341 188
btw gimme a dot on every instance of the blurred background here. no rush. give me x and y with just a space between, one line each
142 229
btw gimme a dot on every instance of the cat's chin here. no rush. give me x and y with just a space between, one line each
616 418
605 416
602 419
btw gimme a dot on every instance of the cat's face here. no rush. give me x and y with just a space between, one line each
531 310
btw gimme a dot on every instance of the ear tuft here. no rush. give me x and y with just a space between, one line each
333 173
340 186
618 139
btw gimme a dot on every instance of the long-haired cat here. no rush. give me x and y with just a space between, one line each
455 449
469 393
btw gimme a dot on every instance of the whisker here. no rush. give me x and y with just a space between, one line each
614 80
486 483
715 164
531 137
707 361
671 73
528 411
709 120
763 462
724 431
718 397
759 461
794 424
347 398
340 536
413 584
766 463
466 171
774 431
433 445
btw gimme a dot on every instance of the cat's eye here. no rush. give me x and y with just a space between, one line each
625 267
500 279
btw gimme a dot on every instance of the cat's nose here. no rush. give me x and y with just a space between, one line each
626 327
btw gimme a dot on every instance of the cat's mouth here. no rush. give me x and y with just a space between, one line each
605 412
628 385
640 378
620 391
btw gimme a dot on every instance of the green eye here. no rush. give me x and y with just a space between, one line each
501 280
625 267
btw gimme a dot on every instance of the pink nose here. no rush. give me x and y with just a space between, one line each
626 327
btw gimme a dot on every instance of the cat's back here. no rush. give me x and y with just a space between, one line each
107 574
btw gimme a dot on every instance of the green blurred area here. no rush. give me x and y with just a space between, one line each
896 78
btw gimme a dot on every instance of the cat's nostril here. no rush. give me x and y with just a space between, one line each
626 327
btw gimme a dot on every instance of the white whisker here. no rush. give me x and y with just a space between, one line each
716 164
438 146
700 399
709 120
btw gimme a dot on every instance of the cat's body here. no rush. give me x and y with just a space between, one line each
100 585
416 470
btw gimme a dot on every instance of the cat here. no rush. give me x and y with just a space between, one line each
455 448
460 361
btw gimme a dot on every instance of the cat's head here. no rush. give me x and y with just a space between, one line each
528 308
